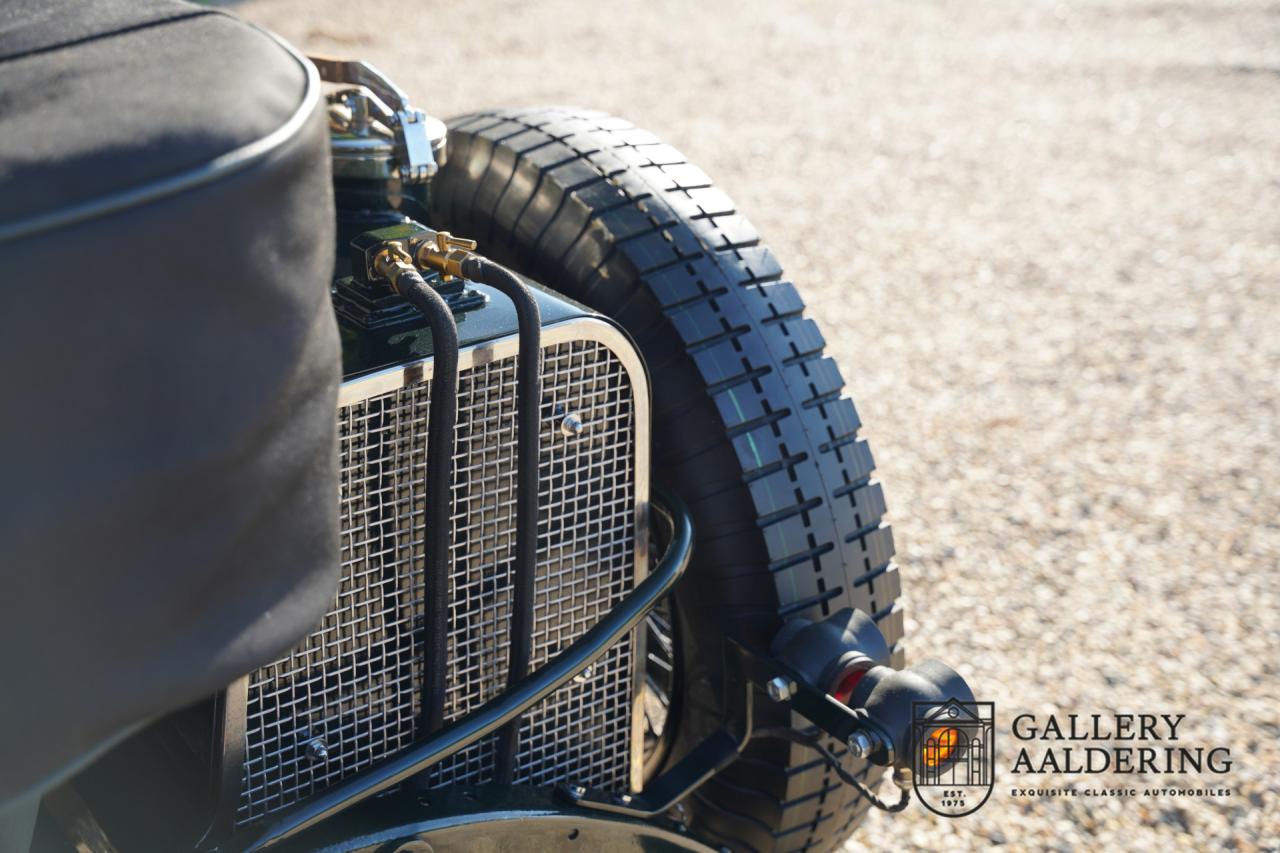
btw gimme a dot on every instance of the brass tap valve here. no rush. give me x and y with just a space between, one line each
387 254
442 252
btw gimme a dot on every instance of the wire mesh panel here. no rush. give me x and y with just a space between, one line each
350 693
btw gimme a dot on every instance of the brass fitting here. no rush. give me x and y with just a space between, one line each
442 252
393 262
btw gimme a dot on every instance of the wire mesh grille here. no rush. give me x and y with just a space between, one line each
350 693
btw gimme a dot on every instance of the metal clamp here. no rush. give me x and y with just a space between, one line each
377 133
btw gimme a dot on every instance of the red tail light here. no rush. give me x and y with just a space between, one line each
845 684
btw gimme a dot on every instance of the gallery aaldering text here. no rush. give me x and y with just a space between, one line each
1157 730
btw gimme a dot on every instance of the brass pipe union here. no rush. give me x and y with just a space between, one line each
442 252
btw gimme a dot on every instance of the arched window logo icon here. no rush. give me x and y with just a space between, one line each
953 767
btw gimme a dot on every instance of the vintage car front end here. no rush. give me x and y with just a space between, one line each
538 419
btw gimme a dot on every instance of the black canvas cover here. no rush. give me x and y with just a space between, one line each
168 495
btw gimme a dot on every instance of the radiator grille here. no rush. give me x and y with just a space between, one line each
354 685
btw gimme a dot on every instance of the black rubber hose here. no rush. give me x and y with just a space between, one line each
441 420
528 430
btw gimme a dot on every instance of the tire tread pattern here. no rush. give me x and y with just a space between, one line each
582 200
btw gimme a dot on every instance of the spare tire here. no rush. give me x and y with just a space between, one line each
751 424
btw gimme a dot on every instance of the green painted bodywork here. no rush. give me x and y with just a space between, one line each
367 350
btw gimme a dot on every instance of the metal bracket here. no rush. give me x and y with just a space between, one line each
367 307
364 300
413 145
360 73
744 670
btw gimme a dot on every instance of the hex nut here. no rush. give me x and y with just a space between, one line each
780 689
861 745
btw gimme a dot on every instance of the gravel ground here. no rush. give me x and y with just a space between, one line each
1043 242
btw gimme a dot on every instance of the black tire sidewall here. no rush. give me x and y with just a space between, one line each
563 196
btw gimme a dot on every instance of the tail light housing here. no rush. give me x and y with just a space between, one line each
846 657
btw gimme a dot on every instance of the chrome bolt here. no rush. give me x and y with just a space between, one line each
585 675
577 791
572 425
902 778
861 744
780 689
317 750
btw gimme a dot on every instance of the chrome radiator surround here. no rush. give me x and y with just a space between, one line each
349 694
